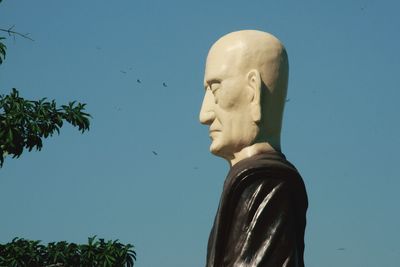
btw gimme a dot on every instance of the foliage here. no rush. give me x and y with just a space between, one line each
23 123
21 252
2 50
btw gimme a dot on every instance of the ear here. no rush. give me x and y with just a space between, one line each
254 84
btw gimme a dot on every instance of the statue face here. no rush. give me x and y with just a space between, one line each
226 104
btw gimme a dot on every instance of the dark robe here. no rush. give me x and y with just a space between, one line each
261 216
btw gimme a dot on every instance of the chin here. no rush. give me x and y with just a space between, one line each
219 150
213 149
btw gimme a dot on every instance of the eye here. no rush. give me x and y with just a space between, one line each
214 87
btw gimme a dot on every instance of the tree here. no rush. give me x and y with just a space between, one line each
2 50
23 125
20 252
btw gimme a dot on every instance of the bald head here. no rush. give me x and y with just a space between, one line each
246 74
251 49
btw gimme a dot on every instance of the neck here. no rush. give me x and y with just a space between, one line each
250 151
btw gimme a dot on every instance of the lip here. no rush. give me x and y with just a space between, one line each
212 133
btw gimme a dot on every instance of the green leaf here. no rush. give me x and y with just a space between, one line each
3 49
23 123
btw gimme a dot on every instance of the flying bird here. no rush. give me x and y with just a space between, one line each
164 84
341 249
122 71
138 81
155 153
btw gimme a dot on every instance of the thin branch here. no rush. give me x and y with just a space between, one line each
13 33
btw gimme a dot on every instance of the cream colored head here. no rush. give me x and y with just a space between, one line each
245 89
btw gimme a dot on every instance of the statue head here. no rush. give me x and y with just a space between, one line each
245 83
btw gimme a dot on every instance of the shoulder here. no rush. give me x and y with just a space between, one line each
269 175
277 181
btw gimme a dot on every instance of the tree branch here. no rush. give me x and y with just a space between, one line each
13 33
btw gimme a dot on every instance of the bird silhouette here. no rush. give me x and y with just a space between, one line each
164 84
155 153
138 81
341 249
122 71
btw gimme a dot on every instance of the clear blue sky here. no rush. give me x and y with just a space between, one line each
341 125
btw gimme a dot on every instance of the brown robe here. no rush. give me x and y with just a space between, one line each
261 217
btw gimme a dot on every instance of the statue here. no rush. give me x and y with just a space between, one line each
261 216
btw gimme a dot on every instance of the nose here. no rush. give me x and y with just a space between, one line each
207 114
